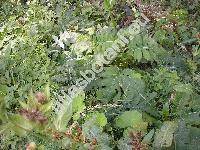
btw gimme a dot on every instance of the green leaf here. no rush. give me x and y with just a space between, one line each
23 104
19 131
3 91
129 119
92 130
146 54
108 4
148 138
165 110
164 136
186 137
5 128
78 102
184 88
99 119
133 88
138 54
140 126
3 112
46 107
47 91
31 100
193 118
78 105
21 122
10 127
64 114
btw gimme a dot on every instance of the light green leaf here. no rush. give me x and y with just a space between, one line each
108 4
101 119
23 104
63 115
5 128
146 54
184 88
165 110
138 54
78 102
78 105
129 119
3 90
19 131
47 91
21 122
46 107
140 126
164 136
31 100
148 138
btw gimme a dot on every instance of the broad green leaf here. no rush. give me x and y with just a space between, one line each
99 119
164 136
186 137
115 84
3 112
21 122
148 138
78 105
92 130
146 54
108 4
19 131
185 88
138 54
3 90
133 88
46 107
76 116
165 110
23 104
78 102
64 114
47 91
31 100
41 147
140 126
193 118
5 128
129 119
9 127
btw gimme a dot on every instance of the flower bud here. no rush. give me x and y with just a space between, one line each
31 146
40 97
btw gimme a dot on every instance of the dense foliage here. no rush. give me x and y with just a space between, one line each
148 97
